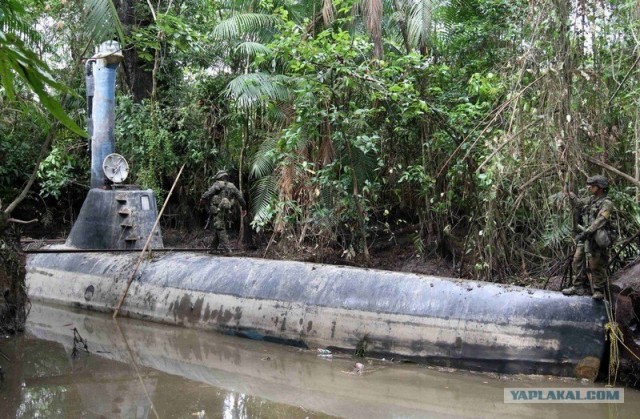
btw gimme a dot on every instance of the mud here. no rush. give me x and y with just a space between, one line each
13 295
144 370
389 255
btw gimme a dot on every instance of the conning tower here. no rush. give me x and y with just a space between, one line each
113 215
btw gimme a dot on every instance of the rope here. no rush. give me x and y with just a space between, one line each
612 334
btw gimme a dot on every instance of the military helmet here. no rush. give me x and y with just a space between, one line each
598 180
221 175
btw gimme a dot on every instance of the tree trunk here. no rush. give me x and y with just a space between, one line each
13 292
138 74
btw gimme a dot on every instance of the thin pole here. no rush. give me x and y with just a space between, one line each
135 367
144 249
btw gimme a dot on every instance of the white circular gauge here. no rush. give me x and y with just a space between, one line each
115 168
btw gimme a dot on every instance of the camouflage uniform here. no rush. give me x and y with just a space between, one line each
222 196
592 254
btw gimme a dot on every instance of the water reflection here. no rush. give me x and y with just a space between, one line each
42 402
43 380
142 370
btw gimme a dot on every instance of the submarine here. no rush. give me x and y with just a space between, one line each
439 321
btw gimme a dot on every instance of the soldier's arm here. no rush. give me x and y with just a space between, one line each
238 196
604 215
213 190
577 202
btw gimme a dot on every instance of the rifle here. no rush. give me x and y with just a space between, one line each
200 204
567 273
587 255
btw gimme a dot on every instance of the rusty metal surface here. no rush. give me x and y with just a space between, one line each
448 322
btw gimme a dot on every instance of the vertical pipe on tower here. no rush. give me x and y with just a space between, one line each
107 58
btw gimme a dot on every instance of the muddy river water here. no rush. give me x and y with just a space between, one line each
137 369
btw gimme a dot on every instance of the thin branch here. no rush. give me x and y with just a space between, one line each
614 170
528 183
15 220
624 80
507 141
135 367
43 150
535 178
497 113
153 11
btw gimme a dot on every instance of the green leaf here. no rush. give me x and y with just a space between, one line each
103 21
14 55
243 23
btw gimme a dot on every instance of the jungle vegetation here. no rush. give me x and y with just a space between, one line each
345 122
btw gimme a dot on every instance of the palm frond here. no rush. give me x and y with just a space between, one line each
254 89
103 21
557 229
11 21
419 23
263 162
250 49
281 114
393 25
18 59
264 192
364 164
243 23
372 15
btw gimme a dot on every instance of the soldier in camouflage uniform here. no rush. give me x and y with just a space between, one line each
223 197
593 242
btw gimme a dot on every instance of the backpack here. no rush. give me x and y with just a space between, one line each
226 204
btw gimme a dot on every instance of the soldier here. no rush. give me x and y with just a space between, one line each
592 243
223 197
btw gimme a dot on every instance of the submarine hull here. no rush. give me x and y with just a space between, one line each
448 322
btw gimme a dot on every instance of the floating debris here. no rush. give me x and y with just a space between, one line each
79 344
324 353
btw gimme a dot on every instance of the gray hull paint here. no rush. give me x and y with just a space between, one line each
457 323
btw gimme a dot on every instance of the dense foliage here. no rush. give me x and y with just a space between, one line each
347 122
